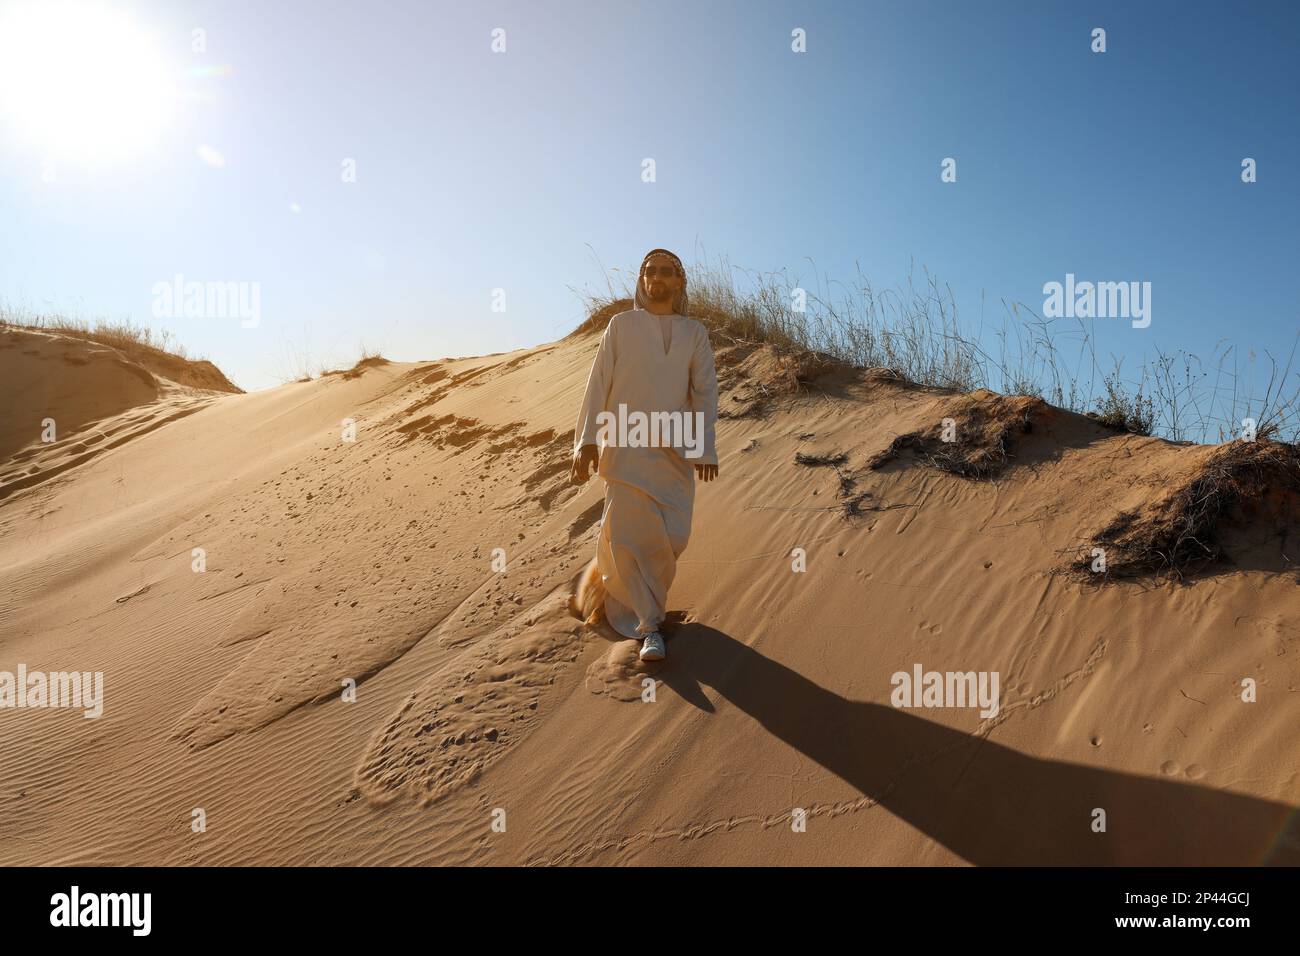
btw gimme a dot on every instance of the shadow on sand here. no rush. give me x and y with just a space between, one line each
987 803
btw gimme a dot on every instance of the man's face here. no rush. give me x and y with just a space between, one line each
659 279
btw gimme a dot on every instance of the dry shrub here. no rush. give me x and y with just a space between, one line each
987 429
1179 533
816 461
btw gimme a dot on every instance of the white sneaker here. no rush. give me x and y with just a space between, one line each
652 647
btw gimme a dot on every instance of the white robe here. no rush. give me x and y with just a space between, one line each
649 491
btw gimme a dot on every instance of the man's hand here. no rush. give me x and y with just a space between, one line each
584 463
706 472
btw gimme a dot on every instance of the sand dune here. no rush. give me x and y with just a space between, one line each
230 563
69 399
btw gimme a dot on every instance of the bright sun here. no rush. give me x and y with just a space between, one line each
80 82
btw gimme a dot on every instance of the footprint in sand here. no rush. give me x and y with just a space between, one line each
618 673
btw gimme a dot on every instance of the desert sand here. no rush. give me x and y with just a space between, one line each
481 698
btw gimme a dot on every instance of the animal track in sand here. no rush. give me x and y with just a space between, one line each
781 817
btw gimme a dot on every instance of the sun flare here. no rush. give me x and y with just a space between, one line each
81 82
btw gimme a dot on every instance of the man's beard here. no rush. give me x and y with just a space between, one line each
658 292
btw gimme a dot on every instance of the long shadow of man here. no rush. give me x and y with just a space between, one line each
987 803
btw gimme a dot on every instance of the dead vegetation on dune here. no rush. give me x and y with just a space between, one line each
853 502
975 439
816 461
754 377
1181 532
914 329
158 353
368 361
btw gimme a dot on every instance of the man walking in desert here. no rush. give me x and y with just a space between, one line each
653 359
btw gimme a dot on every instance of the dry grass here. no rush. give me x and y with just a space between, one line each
369 359
1123 412
820 461
1177 534
914 332
157 351
119 334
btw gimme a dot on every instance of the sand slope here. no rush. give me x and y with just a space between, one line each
480 697
69 399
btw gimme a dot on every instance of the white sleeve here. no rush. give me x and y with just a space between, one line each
598 383
704 394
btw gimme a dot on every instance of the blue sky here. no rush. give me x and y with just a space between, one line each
520 170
